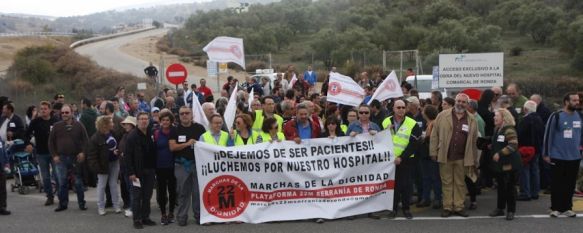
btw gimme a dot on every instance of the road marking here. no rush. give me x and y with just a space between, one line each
478 217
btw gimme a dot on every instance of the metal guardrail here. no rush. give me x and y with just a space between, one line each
106 37
19 34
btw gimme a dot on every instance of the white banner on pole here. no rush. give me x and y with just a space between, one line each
389 88
226 49
278 181
344 90
231 109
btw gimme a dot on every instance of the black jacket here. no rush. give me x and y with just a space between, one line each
543 112
140 152
14 125
97 153
530 131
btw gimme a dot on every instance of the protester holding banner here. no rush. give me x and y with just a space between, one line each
332 128
215 135
406 132
181 144
302 127
351 116
453 145
243 135
269 132
166 188
363 125
506 163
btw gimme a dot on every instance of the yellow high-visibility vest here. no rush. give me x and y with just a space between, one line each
401 137
238 140
223 139
258 123
266 137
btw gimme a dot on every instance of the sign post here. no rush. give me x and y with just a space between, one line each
176 74
471 70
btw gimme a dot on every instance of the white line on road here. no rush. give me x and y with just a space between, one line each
479 217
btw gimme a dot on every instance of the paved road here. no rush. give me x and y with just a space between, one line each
107 54
29 215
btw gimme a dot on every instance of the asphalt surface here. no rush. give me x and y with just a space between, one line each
107 54
29 215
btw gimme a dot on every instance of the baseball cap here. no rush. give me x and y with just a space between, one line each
155 109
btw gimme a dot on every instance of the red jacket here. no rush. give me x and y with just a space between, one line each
290 130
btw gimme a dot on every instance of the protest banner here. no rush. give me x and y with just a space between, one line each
278 181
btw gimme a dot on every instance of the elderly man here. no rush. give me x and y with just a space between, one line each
301 127
541 109
518 100
453 145
530 132
497 93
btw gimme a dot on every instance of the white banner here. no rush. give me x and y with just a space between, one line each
344 90
471 70
279 181
226 49
389 88
231 109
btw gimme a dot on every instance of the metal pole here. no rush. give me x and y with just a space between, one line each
270 66
384 61
161 75
218 75
401 70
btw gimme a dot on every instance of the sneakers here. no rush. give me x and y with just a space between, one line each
320 220
171 218
49 201
128 213
555 214
164 220
118 210
101 211
569 213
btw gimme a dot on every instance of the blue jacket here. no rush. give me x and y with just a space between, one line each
310 78
357 127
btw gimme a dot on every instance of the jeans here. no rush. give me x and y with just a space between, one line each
431 180
530 179
68 164
45 162
125 186
111 179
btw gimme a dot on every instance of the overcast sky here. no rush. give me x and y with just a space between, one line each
76 7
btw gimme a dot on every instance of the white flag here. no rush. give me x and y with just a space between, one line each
293 81
390 88
226 49
198 115
231 109
344 90
251 97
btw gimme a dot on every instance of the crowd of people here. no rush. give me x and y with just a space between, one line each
445 147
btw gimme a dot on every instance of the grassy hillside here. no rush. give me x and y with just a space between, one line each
538 37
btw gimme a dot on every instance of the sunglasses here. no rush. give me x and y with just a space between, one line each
184 113
363 113
400 107
65 112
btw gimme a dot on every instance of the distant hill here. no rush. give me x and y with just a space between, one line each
103 22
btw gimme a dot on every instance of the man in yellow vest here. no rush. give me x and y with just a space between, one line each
215 135
268 111
405 133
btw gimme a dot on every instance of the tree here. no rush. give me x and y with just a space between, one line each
539 21
440 10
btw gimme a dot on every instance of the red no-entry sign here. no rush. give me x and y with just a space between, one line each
176 73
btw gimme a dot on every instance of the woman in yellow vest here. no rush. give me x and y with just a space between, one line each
269 132
215 135
242 134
